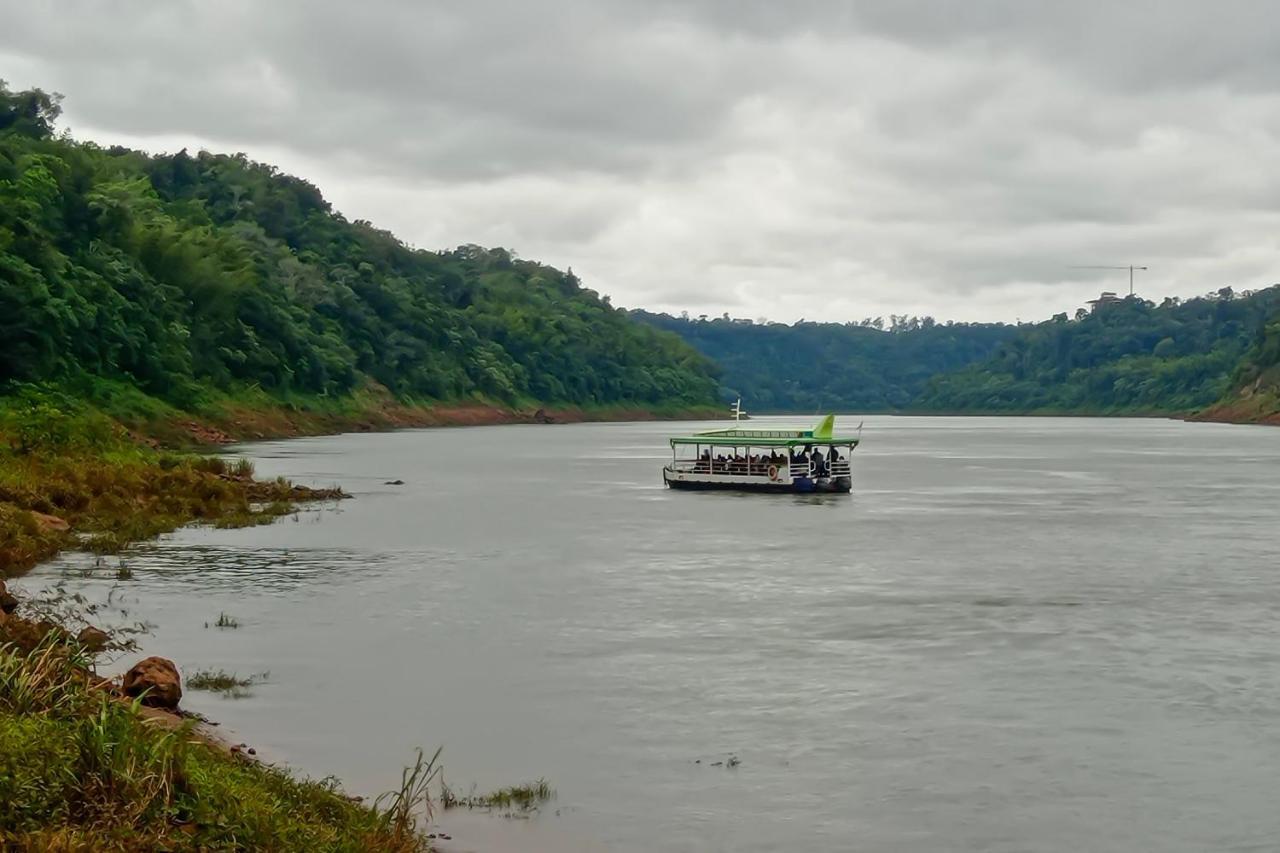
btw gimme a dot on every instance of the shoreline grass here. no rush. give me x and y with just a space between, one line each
81 769
73 478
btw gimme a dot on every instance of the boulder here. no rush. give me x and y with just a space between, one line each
8 603
158 679
93 639
27 636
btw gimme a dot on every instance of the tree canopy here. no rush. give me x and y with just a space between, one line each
182 273
1127 356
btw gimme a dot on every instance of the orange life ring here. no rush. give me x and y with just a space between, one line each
773 472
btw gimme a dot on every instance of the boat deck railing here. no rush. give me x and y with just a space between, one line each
840 468
737 469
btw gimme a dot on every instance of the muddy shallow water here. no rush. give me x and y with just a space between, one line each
1016 634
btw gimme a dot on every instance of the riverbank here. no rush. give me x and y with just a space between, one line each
213 418
104 501
232 423
1254 406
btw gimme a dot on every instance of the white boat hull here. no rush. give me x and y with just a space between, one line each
678 479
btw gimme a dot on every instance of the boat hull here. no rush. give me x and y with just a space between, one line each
724 483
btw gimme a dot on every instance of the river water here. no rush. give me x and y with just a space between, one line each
1015 635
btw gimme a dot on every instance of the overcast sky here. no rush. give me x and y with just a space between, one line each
811 158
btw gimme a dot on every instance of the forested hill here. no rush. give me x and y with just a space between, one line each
1131 356
812 367
1127 357
184 275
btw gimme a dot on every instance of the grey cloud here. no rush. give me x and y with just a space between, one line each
766 158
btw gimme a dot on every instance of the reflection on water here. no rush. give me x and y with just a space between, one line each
1014 635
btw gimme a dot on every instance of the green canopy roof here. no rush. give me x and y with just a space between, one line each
738 437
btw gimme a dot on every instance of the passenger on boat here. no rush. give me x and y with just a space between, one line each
819 463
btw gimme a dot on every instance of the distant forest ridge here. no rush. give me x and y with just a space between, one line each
814 367
186 276
1125 356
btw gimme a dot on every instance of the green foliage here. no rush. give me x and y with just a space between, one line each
44 420
188 276
830 366
1130 356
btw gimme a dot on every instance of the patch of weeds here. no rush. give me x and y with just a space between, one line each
516 798
225 621
398 810
55 611
255 515
227 683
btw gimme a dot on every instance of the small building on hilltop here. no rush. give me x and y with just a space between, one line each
1107 298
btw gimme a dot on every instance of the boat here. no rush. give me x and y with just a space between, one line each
764 460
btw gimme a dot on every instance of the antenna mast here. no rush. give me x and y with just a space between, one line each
1130 268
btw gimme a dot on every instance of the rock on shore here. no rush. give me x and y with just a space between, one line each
156 680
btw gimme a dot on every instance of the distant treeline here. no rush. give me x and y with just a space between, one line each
181 274
810 367
1127 356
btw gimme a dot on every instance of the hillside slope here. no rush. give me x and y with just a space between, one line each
1255 389
189 277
